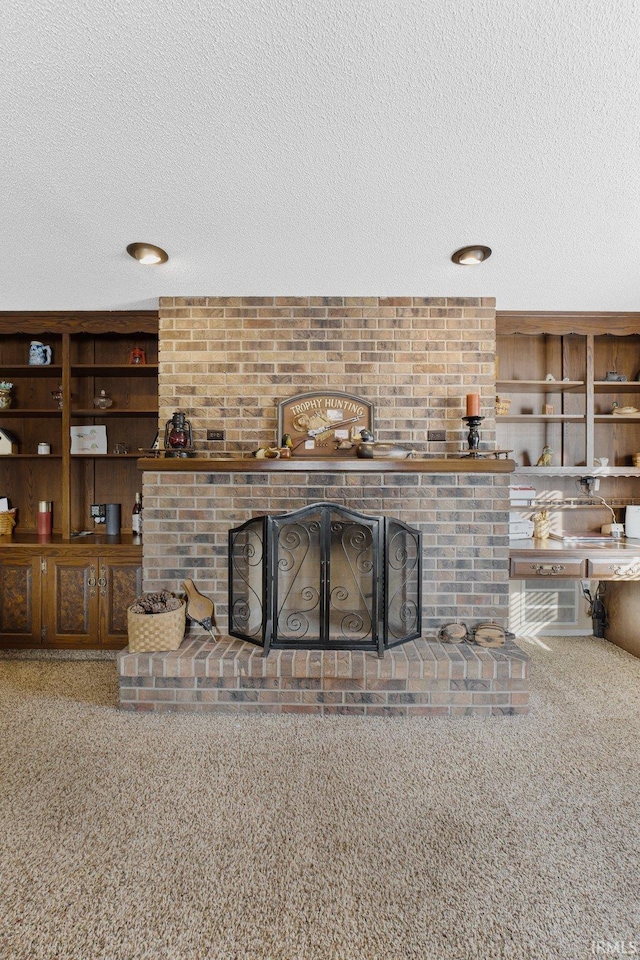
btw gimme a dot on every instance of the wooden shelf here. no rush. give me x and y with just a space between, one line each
616 417
537 386
12 412
114 412
114 369
31 370
106 456
91 351
576 349
22 539
542 417
615 386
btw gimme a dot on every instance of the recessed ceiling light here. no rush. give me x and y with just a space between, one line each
471 256
147 253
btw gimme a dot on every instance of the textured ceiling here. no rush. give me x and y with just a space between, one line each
320 147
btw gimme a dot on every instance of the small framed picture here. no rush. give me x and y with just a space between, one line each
89 439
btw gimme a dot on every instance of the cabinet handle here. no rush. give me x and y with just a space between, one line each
102 581
91 581
544 570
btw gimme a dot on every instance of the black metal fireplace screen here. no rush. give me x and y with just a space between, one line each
325 577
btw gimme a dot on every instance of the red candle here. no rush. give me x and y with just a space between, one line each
473 404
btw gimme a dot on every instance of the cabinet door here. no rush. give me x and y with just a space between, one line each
120 582
70 601
20 589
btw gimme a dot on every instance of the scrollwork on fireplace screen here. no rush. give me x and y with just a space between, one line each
325 577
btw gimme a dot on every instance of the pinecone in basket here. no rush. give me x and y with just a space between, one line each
161 602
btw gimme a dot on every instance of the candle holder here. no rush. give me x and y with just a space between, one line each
473 440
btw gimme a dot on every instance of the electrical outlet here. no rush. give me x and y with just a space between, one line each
215 434
436 435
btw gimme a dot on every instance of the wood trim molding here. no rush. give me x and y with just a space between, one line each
81 321
328 465
559 322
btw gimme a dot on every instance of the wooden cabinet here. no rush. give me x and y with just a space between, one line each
119 583
67 590
551 559
558 568
571 382
62 597
622 603
621 568
21 606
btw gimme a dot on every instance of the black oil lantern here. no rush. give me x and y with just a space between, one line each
178 440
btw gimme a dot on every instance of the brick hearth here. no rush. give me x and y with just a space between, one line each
420 678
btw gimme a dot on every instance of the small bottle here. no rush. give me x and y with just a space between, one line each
136 516
44 518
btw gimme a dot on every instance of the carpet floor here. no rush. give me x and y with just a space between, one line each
173 837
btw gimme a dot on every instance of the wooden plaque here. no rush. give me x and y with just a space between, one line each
322 424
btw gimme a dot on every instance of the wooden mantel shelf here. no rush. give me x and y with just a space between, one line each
326 465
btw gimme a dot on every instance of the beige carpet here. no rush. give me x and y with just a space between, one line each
129 837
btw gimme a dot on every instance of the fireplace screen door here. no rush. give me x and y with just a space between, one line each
325 577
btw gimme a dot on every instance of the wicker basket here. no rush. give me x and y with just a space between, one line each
149 632
502 406
7 522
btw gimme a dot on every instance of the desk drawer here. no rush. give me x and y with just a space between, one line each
561 568
627 569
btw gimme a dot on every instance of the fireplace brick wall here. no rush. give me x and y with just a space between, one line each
228 361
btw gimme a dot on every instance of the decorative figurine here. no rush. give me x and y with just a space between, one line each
545 458
541 525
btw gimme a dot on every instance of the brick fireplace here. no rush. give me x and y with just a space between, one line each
228 362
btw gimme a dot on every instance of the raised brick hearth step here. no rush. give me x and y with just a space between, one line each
420 678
